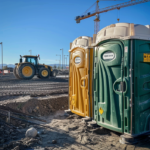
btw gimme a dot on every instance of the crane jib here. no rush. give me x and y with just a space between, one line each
118 6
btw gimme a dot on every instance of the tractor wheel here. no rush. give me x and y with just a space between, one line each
15 73
54 73
44 73
26 71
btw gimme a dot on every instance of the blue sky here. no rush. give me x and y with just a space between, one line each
46 26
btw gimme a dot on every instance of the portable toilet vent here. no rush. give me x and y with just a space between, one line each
122 78
80 76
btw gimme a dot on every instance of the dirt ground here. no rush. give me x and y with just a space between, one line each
38 106
61 130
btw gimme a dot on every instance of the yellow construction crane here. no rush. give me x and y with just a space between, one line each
106 9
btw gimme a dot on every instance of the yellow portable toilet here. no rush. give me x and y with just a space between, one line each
80 76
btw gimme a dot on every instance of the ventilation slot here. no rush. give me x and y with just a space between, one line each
126 121
126 102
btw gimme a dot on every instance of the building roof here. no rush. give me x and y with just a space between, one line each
124 31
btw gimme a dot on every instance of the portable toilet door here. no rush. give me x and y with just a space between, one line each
107 78
80 76
122 78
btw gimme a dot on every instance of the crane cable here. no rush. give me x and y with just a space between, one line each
88 9
118 14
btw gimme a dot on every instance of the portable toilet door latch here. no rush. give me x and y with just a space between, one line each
84 85
123 86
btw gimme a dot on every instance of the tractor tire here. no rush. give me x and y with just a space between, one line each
44 73
26 71
15 73
54 73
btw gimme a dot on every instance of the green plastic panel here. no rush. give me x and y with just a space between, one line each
141 100
108 76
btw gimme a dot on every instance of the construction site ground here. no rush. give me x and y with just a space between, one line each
46 100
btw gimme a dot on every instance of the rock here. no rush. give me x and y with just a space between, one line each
66 114
66 129
40 142
48 142
72 127
30 110
16 148
4 146
79 138
31 132
14 137
7 132
2 141
23 125
42 132
54 142
43 136
11 130
13 133
85 140
37 107
74 147
34 110
20 127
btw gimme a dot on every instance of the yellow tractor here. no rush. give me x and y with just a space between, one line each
29 66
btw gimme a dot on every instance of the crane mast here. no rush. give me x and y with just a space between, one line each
96 20
106 9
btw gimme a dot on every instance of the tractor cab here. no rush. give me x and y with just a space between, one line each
29 59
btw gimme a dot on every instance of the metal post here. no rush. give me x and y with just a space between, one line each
59 60
30 52
62 57
66 59
2 53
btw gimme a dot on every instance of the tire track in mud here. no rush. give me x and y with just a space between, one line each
33 87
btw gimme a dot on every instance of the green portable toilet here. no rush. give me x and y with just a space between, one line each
121 85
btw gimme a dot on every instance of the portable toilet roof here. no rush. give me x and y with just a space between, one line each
123 31
82 41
